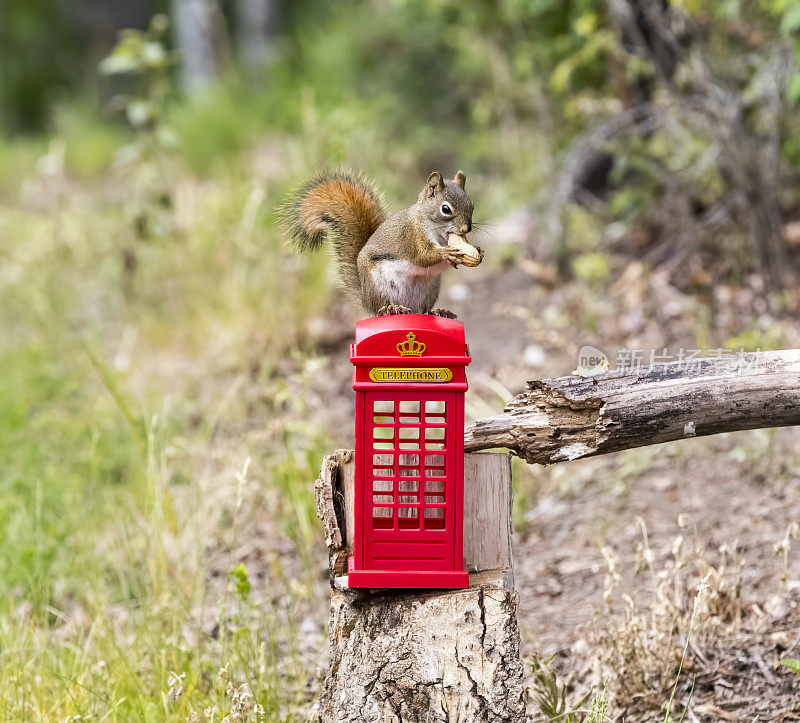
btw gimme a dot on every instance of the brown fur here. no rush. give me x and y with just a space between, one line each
348 209
349 204
343 206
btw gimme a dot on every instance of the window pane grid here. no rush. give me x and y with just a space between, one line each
409 464
396 487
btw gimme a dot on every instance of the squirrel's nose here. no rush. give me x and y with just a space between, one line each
466 228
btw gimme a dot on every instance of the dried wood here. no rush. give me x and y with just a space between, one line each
572 417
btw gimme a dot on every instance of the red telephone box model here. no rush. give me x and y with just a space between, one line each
410 382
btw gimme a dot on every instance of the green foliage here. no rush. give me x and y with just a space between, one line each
591 267
793 664
218 125
143 57
39 58
41 519
90 144
103 575
243 586
599 709
48 52
757 339
17 157
457 72
787 13
551 697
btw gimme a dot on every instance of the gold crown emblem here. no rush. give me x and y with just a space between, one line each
411 347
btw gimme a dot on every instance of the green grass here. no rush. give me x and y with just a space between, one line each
95 604
127 407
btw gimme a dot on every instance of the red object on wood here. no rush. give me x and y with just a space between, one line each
410 381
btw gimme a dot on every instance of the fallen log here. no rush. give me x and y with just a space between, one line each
566 418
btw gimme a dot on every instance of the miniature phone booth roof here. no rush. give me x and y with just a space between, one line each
379 336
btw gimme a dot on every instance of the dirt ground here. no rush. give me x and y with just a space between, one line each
609 552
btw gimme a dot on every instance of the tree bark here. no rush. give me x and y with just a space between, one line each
257 25
573 417
194 22
451 656
425 656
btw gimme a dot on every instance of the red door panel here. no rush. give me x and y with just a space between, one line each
407 462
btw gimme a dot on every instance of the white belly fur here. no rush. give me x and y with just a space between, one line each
403 283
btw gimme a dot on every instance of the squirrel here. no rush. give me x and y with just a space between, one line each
391 265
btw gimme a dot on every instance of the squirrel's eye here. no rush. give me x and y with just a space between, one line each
446 210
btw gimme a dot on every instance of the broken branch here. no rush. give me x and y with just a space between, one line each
573 417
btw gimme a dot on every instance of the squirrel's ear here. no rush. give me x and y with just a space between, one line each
434 185
460 179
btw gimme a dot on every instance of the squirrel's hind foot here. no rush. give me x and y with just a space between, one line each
445 313
390 309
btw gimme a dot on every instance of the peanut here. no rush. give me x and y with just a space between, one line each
470 256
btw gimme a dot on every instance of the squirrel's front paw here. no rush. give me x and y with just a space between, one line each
452 256
445 313
459 251
390 309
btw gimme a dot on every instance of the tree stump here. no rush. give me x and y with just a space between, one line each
425 655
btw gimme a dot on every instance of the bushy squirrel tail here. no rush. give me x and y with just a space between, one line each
342 206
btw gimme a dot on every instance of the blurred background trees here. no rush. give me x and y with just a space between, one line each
674 123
